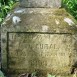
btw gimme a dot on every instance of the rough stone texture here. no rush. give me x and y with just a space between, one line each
41 3
41 39
32 51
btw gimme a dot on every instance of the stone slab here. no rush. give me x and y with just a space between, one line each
41 3
36 51
39 28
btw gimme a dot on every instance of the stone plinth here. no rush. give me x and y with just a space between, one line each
41 39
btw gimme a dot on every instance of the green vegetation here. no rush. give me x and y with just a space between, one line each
6 6
71 6
1 74
49 75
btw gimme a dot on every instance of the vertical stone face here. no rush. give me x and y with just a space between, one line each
41 3
33 51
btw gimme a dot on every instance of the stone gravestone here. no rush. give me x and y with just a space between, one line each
39 39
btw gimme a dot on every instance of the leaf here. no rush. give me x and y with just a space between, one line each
34 73
6 7
1 74
49 75
0 4
0 19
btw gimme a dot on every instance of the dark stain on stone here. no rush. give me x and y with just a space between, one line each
3 40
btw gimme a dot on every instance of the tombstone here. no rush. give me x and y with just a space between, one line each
37 37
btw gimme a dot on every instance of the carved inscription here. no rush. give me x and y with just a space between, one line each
39 51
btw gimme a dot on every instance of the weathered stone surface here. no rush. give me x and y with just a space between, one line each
41 3
32 51
39 39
